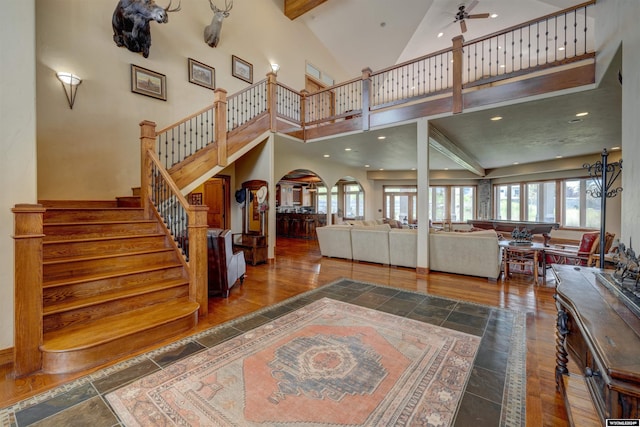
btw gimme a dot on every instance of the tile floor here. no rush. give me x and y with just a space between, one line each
500 359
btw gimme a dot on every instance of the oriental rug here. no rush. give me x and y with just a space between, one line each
329 363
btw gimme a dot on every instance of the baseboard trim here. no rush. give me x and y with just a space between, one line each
6 356
422 271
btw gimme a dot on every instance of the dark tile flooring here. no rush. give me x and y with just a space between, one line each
82 404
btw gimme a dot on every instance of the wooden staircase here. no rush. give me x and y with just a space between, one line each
112 283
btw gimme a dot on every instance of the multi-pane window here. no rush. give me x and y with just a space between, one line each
454 203
353 201
322 200
401 203
540 201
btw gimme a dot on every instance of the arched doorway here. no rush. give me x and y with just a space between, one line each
302 204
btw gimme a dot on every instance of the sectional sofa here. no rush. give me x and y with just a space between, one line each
470 253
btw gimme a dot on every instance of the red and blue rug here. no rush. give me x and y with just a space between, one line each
329 363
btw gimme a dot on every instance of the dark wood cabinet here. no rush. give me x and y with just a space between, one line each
602 336
297 225
255 247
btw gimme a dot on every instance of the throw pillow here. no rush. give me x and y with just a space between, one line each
587 241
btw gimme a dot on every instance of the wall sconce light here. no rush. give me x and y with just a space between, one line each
70 83
275 68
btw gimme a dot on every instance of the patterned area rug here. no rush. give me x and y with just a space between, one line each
329 363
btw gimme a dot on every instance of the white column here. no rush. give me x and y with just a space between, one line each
422 141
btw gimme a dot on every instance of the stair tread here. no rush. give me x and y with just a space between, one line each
103 238
77 303
107 329
99 222
102 276
63 260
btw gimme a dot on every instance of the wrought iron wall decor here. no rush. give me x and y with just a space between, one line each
604 176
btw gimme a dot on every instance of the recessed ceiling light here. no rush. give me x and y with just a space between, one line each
383 24
440 34
615 148
558 157
446 169
516 163
584 113
493 15
381 169
561 48
502 66
496 118
326 155
367 166
347 149
413 169
382 137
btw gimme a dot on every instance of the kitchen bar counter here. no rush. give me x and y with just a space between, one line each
299 225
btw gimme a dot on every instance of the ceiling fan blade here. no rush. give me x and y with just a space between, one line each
478 15
463 26
473 4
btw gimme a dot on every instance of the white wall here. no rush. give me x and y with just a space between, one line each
99 137
17 139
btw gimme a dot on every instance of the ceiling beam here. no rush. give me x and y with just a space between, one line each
295 8
440 142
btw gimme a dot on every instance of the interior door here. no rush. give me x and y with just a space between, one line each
321 107
217 197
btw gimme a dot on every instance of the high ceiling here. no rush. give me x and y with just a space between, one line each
379 33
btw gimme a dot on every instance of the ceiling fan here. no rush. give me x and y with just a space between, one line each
463 14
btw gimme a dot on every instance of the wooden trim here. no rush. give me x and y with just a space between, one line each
220 105
296 8
6 356
422 271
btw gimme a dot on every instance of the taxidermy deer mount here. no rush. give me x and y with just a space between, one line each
212 31
130 23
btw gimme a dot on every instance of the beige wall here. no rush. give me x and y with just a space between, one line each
17 139
99 137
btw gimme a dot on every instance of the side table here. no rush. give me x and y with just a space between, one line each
254 247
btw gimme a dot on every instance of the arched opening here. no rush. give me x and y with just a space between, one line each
302 204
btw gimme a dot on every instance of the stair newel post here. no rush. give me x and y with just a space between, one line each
366 97
220 104
147 144
198 284
28 237
458 41
272 98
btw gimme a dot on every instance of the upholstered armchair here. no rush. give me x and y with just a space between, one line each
225 267
584 255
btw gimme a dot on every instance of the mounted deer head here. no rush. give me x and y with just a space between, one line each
212 31
130 23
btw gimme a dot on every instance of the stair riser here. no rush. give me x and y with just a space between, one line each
72 317
78 269
102 247
62 362
88 215
79 291
89 231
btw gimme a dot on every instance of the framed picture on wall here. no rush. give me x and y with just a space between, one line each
241 69
149 83
202 74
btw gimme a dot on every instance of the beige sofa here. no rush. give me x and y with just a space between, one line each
475 253
471 253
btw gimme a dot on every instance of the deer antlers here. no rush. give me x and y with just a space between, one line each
227 7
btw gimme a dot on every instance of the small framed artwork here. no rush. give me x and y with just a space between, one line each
241 69
147 82
202 74
196 199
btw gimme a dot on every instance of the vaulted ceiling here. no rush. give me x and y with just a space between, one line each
379 33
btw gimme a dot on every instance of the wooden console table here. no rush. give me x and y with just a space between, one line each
602 336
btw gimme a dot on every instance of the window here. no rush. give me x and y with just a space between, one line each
322 200
401 203
353 201
563 201
463 200
437 203
316 73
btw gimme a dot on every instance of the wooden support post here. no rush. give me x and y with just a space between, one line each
199 282
272 98
220 104
457 74
28 237
147 143
304 100
366 97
